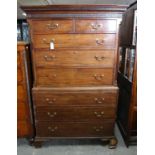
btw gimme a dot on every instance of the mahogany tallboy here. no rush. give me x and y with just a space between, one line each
74 51
24 107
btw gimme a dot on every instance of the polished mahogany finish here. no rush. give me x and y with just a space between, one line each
31 10
95 26
74 113
75 129
74 41
74 49
52 26
87 97
60 77
24 115
46 58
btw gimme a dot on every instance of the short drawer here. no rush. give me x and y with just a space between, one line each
95 26
67 129
75 97
52 26
74 113
76 41
74 77
75 58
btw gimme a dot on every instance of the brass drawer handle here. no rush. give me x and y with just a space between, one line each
98 129
49 58
54 75
99 58
50 101
52 115
100 41
99 114
96 26
52 129
98 77
101 100
45 41
52 26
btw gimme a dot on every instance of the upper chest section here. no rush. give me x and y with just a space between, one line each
74 18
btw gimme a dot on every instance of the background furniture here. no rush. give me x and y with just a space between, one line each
24 115
74 49
127 77
22 30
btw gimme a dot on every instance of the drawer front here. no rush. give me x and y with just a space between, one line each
21 111
21 94
52 26
57 98
95 26
74 113
22 128
75 58
56 129
82 41
74 77
18 59
19 75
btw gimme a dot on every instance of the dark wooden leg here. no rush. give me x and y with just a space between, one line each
31 141
37 144
112 143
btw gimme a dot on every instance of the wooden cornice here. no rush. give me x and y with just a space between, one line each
42 8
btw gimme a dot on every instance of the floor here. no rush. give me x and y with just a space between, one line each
76 147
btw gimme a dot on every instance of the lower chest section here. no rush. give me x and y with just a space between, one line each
74 112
